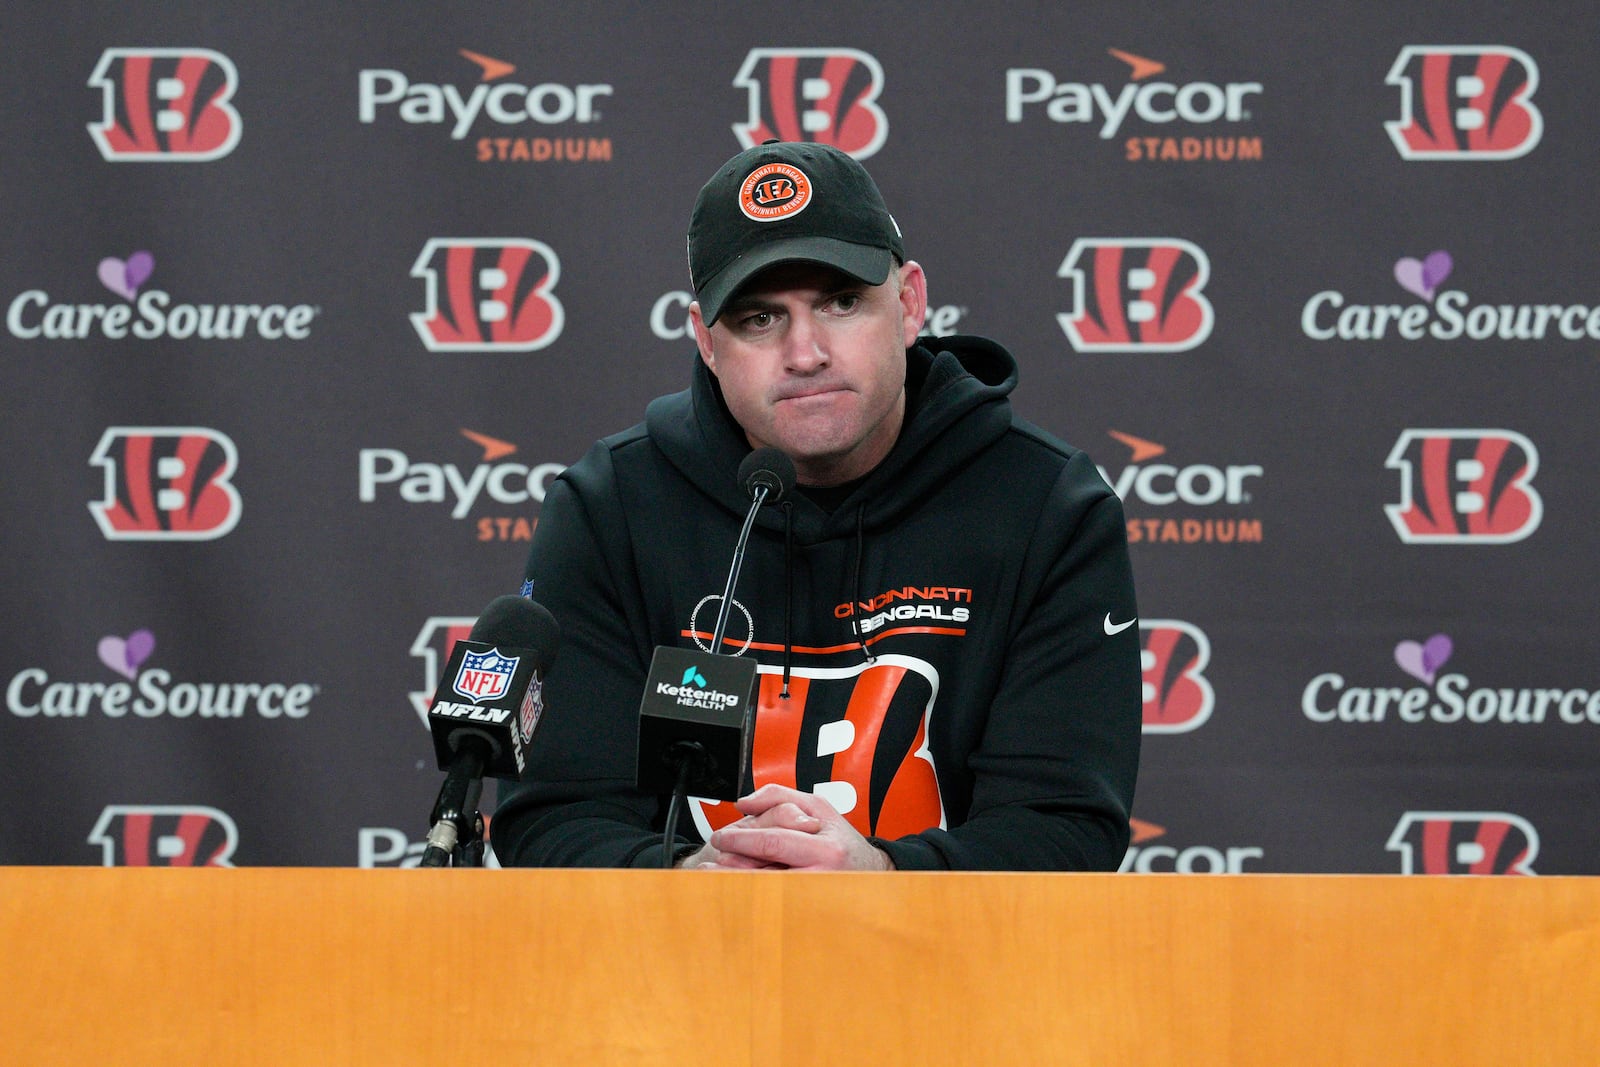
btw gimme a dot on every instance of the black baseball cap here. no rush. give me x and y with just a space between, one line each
787 201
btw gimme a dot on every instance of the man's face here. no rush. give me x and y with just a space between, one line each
813 363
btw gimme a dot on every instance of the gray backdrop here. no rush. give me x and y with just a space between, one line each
305 305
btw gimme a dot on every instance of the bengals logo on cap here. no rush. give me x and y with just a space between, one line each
774 191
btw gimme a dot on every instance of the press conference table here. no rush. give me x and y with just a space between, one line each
334 966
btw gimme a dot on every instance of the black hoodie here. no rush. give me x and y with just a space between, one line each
948 655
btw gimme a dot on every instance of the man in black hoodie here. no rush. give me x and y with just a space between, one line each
943 615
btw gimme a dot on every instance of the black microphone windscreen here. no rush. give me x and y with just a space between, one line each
517 622
767 467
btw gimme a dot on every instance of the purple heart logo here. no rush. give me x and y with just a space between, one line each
126 655
1423 276
124 278
1422 661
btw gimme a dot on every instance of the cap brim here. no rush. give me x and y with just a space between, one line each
862 262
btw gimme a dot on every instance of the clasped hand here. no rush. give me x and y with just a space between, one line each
784 828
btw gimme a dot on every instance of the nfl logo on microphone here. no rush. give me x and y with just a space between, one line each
485 675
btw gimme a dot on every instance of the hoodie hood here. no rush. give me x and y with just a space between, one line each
957 406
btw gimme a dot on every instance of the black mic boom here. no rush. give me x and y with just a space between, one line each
694 719
766 475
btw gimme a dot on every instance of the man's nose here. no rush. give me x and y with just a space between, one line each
805 346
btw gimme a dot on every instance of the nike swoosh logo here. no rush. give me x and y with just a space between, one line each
1113 628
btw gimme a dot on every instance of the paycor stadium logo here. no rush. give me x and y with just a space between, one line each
1165 856
1171 502
1158 119
388 846
390 474
503 119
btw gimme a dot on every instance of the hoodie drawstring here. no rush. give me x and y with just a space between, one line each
855 608
788 592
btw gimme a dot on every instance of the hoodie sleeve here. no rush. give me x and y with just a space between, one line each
1053 775
576 805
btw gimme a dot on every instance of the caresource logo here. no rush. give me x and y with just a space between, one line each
824 95
142 835
166 483
149 314
1465 487
1441 314
1447 699
1173 656
1136 295
150 693
1464 842
1465 103
1032 92
669 317
165 105
488 294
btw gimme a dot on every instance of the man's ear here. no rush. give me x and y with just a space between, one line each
913 300
702 338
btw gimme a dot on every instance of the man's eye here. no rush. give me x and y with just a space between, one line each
758 321
847 301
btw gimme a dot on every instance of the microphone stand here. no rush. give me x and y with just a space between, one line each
456 839
689 757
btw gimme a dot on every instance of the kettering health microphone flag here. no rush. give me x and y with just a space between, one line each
305 307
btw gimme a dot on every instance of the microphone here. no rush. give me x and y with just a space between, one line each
766 475
484 712
769 469
694 719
